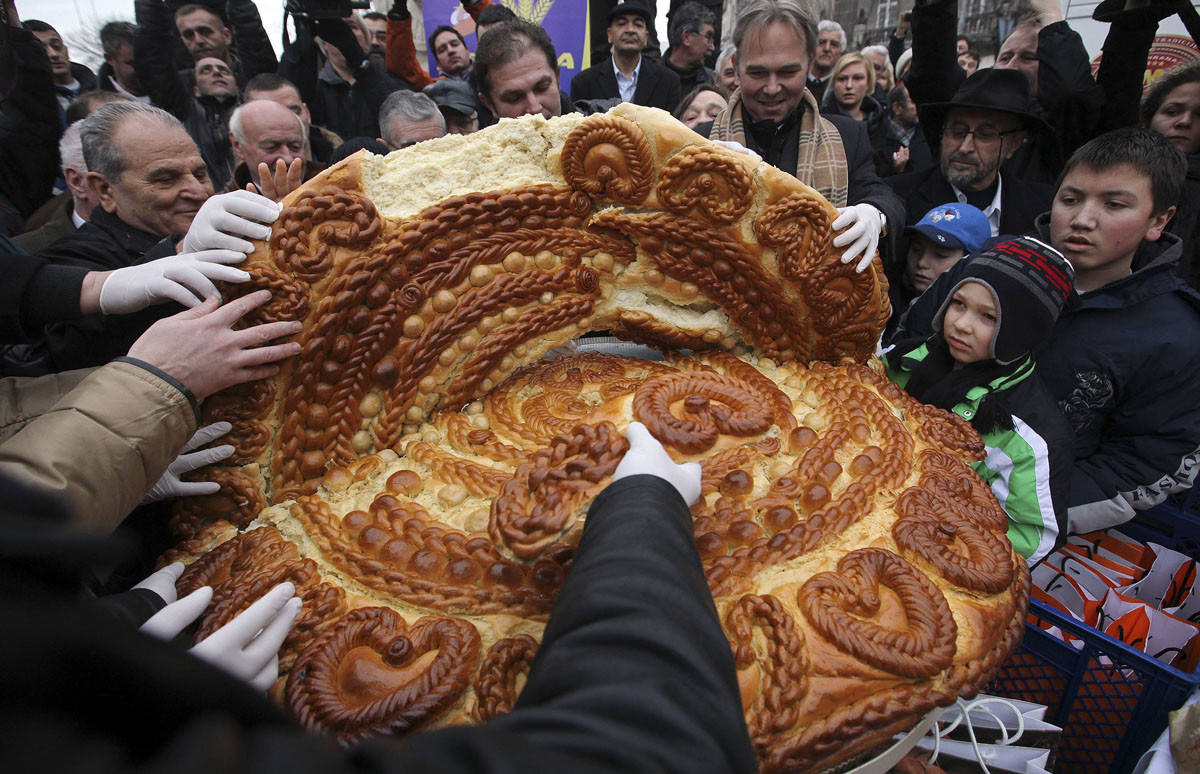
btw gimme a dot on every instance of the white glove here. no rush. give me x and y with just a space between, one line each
647 456
737 147
862 224
248 646
167 623
225 218
188 460
162 582
186 278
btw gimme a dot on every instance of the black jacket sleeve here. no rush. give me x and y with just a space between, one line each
30 125
634 669
152 58
251 45
34 294
1123 66
1068 95
299 65
934 75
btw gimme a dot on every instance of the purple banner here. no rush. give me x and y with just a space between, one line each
565 20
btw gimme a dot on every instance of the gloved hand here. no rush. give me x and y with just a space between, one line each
225 218
188 460
338 34
186 278
167 623
862 224
399 11
737 147
248 646
647 456
162 582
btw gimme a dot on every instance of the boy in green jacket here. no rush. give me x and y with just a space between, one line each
978 364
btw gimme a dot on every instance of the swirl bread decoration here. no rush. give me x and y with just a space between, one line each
422 474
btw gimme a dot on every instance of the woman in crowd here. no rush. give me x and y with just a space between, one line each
853 83
701 105
1171 107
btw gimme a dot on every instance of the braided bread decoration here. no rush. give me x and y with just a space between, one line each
421 474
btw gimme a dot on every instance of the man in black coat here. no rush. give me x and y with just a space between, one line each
691 35
982 126
628 75
774 115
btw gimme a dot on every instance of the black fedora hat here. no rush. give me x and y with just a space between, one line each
1005 91
631 6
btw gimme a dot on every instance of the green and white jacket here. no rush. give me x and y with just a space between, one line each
1028 467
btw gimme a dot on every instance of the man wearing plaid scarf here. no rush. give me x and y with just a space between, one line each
773 115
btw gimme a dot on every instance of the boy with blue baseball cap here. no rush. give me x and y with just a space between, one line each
935 243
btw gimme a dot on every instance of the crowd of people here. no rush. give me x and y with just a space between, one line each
1038 225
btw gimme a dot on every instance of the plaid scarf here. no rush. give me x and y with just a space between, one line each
821 161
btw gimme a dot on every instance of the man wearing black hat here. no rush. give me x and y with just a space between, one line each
628 75
980 128
456 100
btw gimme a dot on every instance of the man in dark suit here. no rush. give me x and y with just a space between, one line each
628 75
980 128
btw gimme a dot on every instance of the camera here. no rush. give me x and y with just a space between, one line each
324 9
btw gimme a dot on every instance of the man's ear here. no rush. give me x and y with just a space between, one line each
102 191
236 147
77 182
487 102
1158 224
195 91
228 33
1018 139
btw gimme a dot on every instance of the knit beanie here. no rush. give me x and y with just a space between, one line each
1029 281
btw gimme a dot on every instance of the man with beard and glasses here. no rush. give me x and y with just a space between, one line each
628 75
982 127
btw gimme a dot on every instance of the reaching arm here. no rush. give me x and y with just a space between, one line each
402 59
152 58
250 41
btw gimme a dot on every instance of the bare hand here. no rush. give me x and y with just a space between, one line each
900 158
200 348
283 181
1048 11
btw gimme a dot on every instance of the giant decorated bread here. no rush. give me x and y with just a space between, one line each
422 470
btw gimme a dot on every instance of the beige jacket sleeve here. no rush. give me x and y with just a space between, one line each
24 399
100 446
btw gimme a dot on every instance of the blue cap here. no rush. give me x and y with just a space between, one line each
957 226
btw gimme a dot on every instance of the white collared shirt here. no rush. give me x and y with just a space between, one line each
992 210
121 90
626 86
78 221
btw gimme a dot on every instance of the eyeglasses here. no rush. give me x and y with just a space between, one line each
984 135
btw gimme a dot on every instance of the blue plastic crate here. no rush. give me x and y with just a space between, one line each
1111 700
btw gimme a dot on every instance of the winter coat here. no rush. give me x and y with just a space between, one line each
1123 362
96 439
1027 467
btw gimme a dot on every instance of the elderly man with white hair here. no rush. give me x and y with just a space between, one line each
156 234
270 145
831 44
